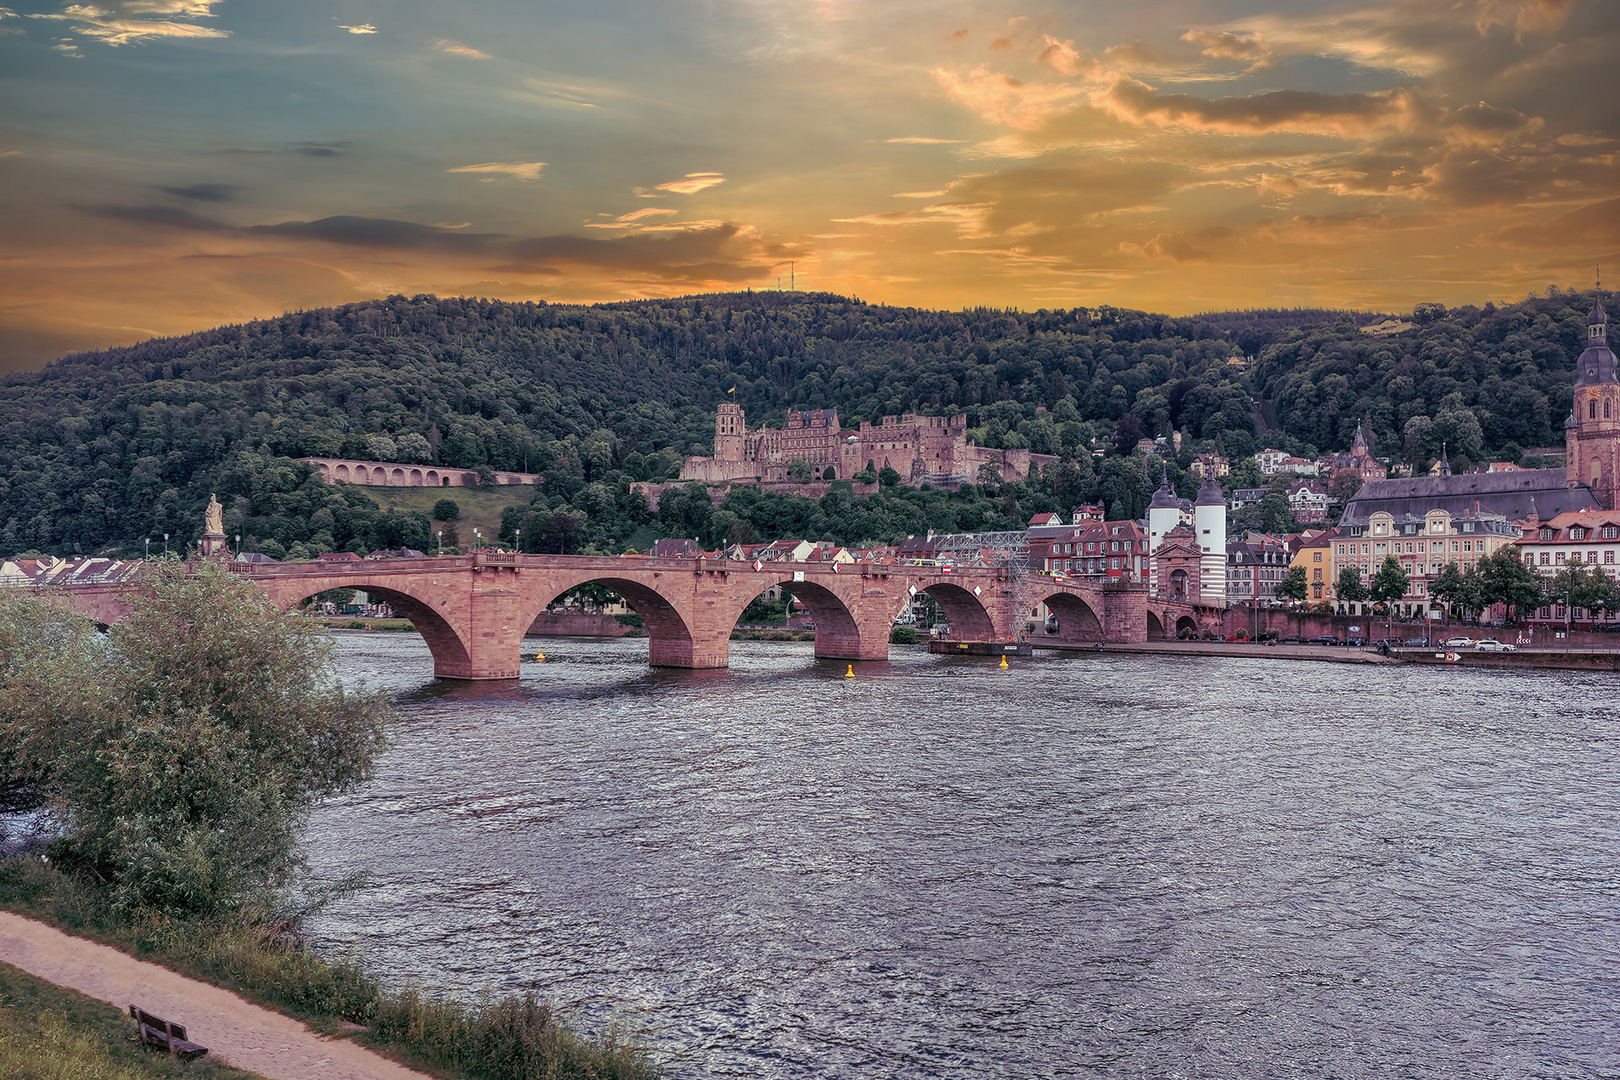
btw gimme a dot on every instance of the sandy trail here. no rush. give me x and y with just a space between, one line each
235 1031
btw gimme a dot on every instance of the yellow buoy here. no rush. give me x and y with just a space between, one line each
1003 662
850 674
540 656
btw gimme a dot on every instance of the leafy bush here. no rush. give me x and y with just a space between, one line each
903 635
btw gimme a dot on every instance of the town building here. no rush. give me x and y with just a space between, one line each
1092 549
1308 502
1423 546
1315 556
1254 566
922 449
1588 538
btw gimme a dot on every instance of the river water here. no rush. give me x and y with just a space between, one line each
1106 865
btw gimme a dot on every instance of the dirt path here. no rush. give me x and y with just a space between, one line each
234 1031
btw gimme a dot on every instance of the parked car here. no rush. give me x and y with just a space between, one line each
1492 645
1415 643
1457 643
1325 639
1292 639
1387 643
1355 642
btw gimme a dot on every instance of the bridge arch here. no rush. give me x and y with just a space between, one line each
838 631
1155 626
1187 622
969 619
452 652
670 641
1077 621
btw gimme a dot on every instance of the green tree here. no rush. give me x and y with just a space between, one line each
1350 588
1580 586
800 470
446 510
1388 585
1505 579
1293 585
182 756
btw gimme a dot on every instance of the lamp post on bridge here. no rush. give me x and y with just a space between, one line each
477 536
517 540
165 545
148 541
441 541
238 547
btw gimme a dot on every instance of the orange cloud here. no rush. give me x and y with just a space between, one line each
1002 99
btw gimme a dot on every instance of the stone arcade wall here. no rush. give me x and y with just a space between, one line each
401 474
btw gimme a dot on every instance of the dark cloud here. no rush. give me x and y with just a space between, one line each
169 217
1276 110
713 253
205 192
1595 227
352 231
321 149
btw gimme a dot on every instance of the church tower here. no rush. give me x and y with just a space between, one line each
1592 432
730 430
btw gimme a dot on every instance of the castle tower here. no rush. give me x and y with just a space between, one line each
730 432
1164 514
1209 521
1592 432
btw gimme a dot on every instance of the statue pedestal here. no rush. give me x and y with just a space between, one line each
214 545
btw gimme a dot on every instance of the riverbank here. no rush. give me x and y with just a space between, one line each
1335 654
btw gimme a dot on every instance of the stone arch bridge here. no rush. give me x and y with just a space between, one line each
473 610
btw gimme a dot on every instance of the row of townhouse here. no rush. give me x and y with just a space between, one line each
1583 537
1094 549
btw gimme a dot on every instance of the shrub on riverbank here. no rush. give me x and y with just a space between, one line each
509 1038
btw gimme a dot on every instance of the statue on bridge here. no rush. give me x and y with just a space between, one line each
213 538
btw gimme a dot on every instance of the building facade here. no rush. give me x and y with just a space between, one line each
1588 538
1254 566
1423 547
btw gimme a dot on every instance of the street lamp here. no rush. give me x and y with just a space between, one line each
238 547
441 541
517 539
148 554
165 545
477 536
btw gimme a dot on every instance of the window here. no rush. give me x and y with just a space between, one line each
1560 558
1610 532
1379 549
1545 558
1591 410
1608 558
1605 408
1316 575
1591 556
1420 549
1577 533
1316 556
1454 545
1545 534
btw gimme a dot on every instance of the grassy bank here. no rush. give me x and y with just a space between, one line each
50 1033
480 506
510 1038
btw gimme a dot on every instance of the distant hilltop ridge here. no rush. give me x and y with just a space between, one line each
104 450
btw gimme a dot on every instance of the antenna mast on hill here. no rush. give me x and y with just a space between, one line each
793 279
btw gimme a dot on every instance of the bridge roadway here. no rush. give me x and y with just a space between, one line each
473 610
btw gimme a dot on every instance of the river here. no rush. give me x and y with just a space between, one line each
1108 865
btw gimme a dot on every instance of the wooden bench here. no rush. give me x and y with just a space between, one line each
169 1037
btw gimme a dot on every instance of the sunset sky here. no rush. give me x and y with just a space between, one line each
171 165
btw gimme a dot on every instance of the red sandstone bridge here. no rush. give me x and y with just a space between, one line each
473 610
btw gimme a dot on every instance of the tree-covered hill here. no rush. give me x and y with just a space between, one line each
106 448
